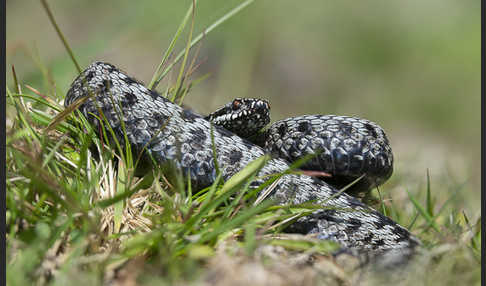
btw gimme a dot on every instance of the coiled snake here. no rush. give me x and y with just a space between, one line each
349 147
170 133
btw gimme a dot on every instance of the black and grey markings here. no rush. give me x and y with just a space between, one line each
129 98
349 148
189 115
186 142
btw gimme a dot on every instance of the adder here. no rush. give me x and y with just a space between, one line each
169 133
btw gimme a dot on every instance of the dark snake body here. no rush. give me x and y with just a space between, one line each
173 134
349 148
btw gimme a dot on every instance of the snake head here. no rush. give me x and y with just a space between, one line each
242 116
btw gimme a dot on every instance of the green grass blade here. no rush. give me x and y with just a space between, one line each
53 151
234 222
429 202
215 154
179 83
206 31
60 34
157 75
423 212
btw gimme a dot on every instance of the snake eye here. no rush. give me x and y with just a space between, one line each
236 104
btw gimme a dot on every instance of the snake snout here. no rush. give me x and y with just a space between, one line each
262 106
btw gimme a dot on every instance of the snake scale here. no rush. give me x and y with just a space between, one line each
170 133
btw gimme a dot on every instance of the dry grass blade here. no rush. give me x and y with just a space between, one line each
314 173
63 114
46 98
16 82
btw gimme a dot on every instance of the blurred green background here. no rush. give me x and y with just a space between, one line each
411 66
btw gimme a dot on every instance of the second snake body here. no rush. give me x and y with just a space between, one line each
169 133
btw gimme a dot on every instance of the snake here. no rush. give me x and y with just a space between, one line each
349 149
168 133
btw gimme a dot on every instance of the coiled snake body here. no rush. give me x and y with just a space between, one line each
170 133
349 147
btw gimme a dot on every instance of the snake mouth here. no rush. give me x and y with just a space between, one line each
243 116
247 108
